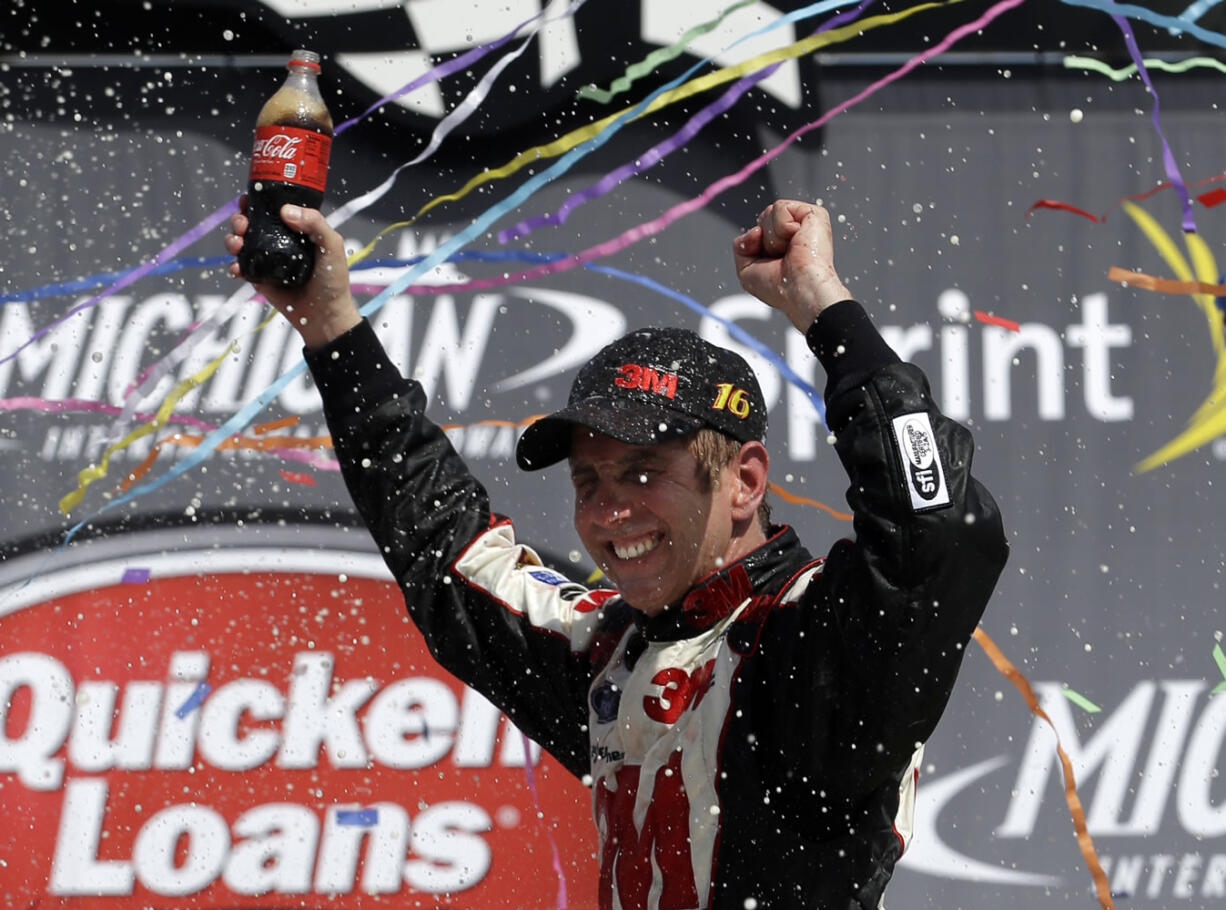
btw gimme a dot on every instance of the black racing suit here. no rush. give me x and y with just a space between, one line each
758 747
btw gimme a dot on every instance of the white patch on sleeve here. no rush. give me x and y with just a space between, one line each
917 449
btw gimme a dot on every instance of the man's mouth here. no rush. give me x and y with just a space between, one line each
637 548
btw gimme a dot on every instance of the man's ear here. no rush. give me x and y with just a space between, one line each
750 469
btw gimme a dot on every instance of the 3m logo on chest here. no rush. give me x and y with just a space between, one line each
678 690
647 379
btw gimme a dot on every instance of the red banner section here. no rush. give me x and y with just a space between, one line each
181 732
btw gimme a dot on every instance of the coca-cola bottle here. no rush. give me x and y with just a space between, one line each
289 163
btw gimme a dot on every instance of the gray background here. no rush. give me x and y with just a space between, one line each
1114 586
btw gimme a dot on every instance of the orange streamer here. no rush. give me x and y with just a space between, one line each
1084 841
532 418
279 424
801 500
263 444
1163 285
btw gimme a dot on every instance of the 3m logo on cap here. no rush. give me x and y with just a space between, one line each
647 379
917 447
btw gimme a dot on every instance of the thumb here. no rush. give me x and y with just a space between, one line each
308 221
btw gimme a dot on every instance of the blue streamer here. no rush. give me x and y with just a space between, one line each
736 331
98 279
247 413
364 818
194 701
1133 11
240 419
1194 12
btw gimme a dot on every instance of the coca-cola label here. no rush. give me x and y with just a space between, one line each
289 154
260 728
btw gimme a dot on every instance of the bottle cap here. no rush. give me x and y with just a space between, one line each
303 57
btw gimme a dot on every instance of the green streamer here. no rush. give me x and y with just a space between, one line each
1220 659
655 58
1125 72
1080 700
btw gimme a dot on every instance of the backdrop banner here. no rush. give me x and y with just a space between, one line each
210 694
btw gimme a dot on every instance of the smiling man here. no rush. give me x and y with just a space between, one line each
750 718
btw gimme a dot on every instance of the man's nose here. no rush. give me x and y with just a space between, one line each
611 509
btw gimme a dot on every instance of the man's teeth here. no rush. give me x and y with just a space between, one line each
633 551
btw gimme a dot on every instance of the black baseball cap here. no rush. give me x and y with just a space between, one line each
650 386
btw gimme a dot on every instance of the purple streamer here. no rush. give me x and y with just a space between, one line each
179 243
438 72
195 233
1168 158
666 147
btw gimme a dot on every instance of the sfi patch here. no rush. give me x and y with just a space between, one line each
917 447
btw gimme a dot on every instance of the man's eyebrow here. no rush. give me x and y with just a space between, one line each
634 461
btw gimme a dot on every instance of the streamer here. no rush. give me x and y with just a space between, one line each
661 55
1168 158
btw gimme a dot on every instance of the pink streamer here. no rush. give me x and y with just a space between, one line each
540 820
62 405
680 210
181 242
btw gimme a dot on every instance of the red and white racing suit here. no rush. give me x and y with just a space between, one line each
759 745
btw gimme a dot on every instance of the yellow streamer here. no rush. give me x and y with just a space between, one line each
1209 420
97 471
549 150
686 90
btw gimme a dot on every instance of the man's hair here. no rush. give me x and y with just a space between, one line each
715 451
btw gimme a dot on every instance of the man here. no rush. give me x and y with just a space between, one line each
750 719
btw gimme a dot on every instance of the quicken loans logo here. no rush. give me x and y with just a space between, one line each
1146 775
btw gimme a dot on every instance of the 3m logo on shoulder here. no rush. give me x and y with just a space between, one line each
647 379
917 449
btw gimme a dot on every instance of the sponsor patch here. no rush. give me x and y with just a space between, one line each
605 699
917 448
646 379
549 578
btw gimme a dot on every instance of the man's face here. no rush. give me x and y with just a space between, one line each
647 516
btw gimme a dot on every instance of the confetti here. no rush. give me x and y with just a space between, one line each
1080 700
364 818
134 576
194 701
297 477
1212 198
1220 659
989 319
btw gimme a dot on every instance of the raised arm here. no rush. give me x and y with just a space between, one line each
489 612
882 633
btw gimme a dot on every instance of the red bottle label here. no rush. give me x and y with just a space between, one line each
289 154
